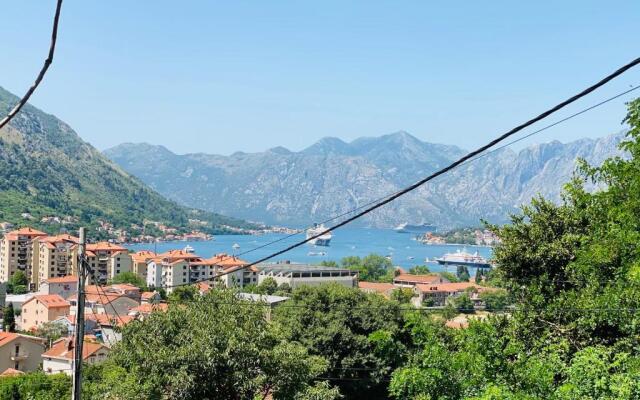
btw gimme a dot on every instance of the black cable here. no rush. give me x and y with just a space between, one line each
52 47
440 172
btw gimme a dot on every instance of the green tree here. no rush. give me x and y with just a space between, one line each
402 295
18 283
463 303
130 278
183 294
360 335
419 270
35 385
463 273
449 276
267 286
495 300
212 347
9 319
51 331
328 263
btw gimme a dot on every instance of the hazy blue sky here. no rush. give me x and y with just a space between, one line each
218 77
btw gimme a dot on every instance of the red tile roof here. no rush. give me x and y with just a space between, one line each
149 308
105 246
49 300
63 348
429 278
11 372
376 286
27 231
63 279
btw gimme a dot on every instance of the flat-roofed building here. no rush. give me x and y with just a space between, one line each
296 275
17 253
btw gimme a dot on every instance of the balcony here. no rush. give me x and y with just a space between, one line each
23 355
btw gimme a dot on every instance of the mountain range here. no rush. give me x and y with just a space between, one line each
331 177
47 170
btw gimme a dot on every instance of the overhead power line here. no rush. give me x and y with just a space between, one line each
351 211
467 158
52 48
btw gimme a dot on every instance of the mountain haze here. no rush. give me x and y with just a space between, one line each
333 176
46 169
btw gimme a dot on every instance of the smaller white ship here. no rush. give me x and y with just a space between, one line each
461 257
236 246
323 240
316 253
189 249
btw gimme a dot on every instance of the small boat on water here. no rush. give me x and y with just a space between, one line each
323 240
316 253
462 257
410 258
189 249
236 246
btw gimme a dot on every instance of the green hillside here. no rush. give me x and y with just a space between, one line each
46 169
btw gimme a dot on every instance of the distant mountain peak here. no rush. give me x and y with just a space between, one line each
279 150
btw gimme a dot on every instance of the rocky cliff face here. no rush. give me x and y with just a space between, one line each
332 177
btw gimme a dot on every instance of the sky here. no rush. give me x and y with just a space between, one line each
222 76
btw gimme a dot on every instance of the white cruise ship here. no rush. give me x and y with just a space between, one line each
323 240
464 258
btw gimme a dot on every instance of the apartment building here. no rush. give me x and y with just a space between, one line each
106 260
17 253
140 260
55 255
20 352
233 268
42 308
178 267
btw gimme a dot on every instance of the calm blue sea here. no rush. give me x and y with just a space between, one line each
404 250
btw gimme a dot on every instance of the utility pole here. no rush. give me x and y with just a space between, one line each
79 338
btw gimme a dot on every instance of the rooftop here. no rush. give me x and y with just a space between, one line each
63 348
291 267
49 300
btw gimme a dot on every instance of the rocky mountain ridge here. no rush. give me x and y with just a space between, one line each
332 176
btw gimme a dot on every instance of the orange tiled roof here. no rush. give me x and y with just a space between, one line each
429 278
60 238
8 337
63 279
446 287
11 372
105 246
376 286
27 231
226 261
149 308
143 256
49 300
63 348
148 295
